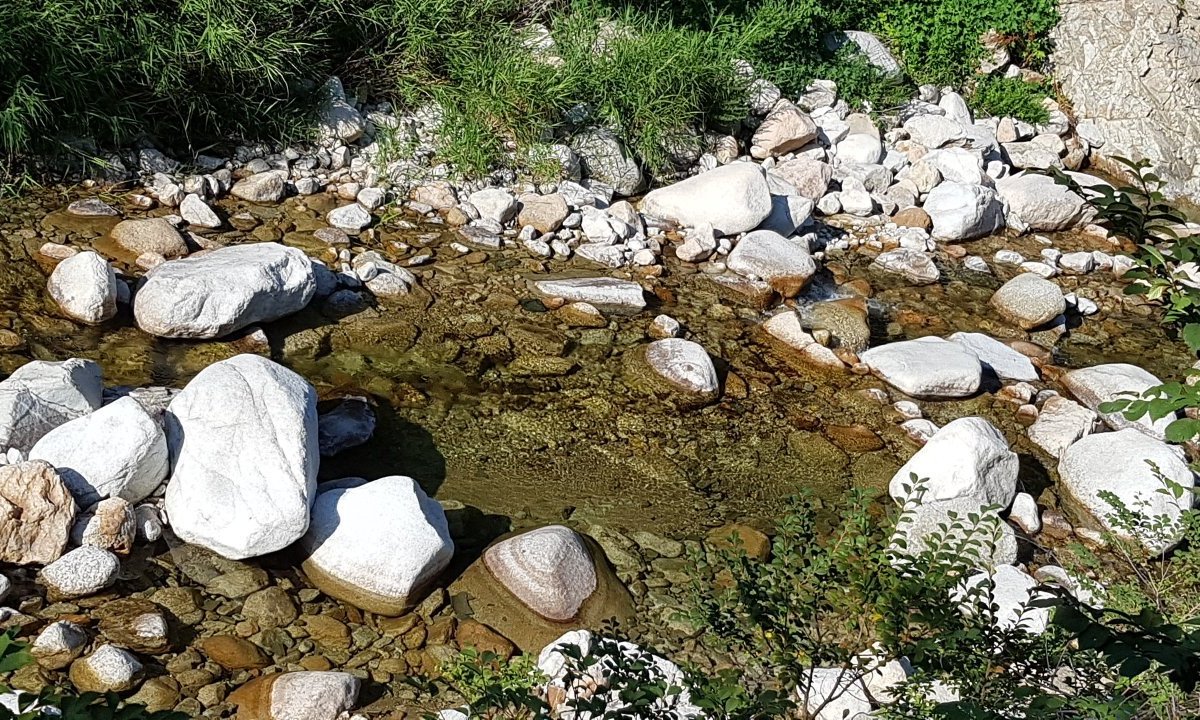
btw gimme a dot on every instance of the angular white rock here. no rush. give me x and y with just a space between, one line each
915 265
196 212
608 294
550 570
224 290
684 364
85 287
1096 385
243 443
964 212
110 669
1061 422
926 368
1024 513
1120 463
732 199
351 218
1008 364
313 695
785 264
1037 203
39 396
967 458
385 538
117 451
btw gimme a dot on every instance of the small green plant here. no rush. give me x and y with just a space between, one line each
1165 271
1162 401
1011 97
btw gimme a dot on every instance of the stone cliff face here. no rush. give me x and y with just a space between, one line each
1131 69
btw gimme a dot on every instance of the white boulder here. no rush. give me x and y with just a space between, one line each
550 570
964 212
684 364
224 290
1060 422
117 451
785 264
1006 363
1037 203
85 287
39 396
1127 463
927 368
962 525
1029 301
86 570
1096 385
968 458
733 198
243 441
377 545
1006 595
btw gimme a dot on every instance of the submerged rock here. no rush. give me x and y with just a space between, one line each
149 235
1029 301
377 545
348 425
224 290
677 368
605 293
243 442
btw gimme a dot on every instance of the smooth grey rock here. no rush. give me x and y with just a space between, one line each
731 199
927 367
1029 301
85 287
1008 364
607 294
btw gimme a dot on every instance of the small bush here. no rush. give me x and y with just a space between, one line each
1011 97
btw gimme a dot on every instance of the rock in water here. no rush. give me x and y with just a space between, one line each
533 586
991 540
1036 202
785 264
676 368
224 290
1124 463
548 569
85 287
915 265
964 212
607 294
928 367
149 235
348 425
297 696
107 669
1006 363
732 199
264 187
39 396
36 513
117 451
1096 385
377 546
968 458
84 571
243 443
1029 301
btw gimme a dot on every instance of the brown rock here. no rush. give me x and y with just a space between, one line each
234 653
134 623
754 542
157 694
474 634
318 663
544 212
110 525
913 217
153 235
581 314
785 129
270 608
327 632
37 512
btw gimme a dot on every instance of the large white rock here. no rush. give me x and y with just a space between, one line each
1005 595
786 128
833 694
39 396
1008 364
117 451
377 545
947 525
1037 203
609 294
915 265
312 695
495 204
860 147
1120 463
1060 422
733 198
605 158
785 264
934 131
1096 385
243 443
928 367
968 458
549 569
224 290
964 212
108 669
568 679
85 287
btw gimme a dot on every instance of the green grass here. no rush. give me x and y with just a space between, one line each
1011 97
188 74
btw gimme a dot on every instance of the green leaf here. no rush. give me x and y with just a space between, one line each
1182 430
1191 336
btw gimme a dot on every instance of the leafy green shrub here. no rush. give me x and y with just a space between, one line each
1011 97
1141 213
